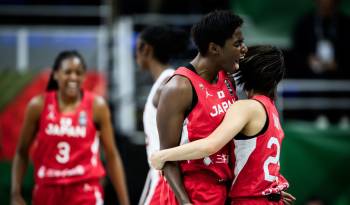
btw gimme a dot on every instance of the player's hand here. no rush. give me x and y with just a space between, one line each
17 199
156 161
287 198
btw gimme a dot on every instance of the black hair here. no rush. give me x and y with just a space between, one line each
216 27
261 70
166 42
52 84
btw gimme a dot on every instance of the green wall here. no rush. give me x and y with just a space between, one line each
317 162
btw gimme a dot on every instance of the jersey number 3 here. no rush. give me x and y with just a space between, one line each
271 160
63 152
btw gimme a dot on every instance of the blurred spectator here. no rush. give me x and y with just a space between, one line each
315 200
320 43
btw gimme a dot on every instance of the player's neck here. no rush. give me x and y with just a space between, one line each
67 102
205 68
156 69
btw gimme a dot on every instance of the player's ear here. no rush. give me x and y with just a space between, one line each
147 49
214 48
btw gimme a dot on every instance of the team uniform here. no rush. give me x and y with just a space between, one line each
152 139
205 180
66 159
257 179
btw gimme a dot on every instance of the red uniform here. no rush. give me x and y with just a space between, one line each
256 172
204 179
66 158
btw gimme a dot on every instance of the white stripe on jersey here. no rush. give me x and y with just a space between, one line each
94 149
243 150
149 187
184 134
98 197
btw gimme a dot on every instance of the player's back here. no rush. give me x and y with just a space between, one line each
256 171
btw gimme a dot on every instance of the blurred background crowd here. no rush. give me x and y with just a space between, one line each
314 99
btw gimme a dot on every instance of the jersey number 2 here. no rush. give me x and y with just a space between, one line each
63 152
271 160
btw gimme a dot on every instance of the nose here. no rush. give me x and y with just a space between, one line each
73 76
244 50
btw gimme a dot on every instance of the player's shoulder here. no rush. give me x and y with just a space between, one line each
100 108
36 101
36 105
99 101
178 83
177 93
248 105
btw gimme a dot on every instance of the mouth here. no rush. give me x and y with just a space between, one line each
236 63
241 57
72 86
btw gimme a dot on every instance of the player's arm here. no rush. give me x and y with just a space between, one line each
175 99
156 96
102 117
21 158
237 117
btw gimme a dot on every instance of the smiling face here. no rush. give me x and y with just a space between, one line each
70 76
233 50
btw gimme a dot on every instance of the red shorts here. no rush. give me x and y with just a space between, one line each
159 192
255 201
86 193
200 188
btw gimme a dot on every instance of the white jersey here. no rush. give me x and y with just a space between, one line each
150 114
152 137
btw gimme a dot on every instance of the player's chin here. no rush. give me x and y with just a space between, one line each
232 68
73 93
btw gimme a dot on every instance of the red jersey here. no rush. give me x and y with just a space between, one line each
256 172
213 100
67 148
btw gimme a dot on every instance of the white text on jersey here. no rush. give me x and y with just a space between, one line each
221 108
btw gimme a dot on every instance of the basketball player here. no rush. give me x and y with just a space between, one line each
257 133
66 124
155 47
193 103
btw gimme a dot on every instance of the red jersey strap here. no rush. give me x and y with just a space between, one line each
50 97
192 75
266 101
50 106
88 100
